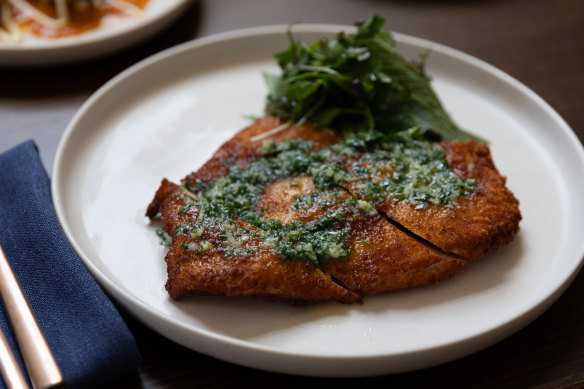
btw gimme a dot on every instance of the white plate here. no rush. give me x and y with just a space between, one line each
117 34
166 116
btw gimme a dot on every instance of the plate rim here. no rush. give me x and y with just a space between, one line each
499 332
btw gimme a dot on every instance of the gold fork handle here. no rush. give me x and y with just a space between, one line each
40 362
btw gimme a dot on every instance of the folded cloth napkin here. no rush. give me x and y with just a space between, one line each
89 339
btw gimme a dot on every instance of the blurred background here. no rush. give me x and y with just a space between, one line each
534 41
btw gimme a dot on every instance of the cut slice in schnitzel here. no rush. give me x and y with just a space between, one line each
485 220
381 257
196 262
289 211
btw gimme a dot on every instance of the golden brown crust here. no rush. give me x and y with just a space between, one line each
262 275
382 258
246 145
483 222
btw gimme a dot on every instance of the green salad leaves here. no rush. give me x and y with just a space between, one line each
358 82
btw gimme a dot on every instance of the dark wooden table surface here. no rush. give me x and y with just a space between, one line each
539 42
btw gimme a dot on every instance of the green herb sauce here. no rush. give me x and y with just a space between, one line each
413 170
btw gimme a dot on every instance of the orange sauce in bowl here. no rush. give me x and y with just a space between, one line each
81 19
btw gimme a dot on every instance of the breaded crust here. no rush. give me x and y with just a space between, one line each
476 225
263 275
382 258
246 145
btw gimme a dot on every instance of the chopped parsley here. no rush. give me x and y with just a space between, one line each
406 167
164 238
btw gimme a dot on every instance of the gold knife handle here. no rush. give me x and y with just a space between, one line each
13 377
40 362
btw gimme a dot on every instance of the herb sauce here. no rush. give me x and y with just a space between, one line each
399 166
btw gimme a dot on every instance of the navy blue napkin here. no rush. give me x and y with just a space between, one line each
89 339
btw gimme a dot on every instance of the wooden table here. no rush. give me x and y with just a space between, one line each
539 42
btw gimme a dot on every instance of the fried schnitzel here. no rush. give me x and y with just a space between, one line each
302 214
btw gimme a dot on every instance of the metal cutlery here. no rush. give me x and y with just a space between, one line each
13 377
38 358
